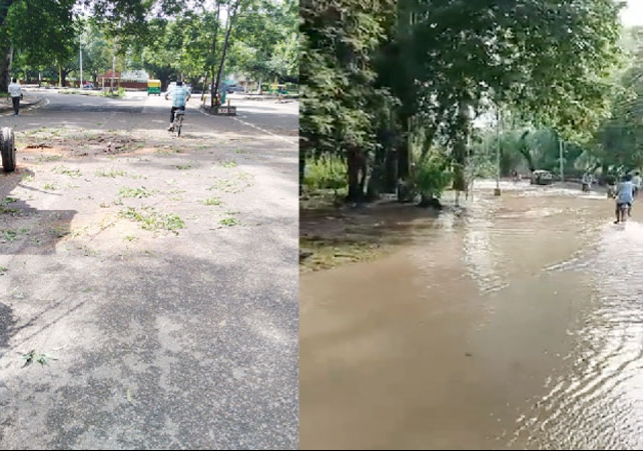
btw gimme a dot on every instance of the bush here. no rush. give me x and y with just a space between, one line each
326 172
431 175
120 92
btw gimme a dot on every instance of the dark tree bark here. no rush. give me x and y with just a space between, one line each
356 164
231 18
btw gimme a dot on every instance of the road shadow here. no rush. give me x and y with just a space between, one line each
205 345
25 230
7 325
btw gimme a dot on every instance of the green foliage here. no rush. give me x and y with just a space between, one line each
326 172
339 39
423 68
431 174
44 30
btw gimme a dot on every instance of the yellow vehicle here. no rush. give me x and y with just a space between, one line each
154 87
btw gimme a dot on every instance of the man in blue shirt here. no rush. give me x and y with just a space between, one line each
180 97
625 195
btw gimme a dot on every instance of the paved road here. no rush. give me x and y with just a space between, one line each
184 341
267 116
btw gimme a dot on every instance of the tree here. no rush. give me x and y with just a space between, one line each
448 62
339 39
42 30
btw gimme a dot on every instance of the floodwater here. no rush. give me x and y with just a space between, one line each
517 324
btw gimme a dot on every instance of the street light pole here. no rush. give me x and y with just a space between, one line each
80 51
496 192
560 157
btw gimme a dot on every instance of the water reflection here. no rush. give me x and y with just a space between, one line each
518 324
600 396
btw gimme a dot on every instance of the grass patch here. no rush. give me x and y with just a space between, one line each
60 232
7 236
169 151
49 187
230 222
245 176
48 158
34 356
229 164
212 201
27 178
113 173
326 172
8 210
183 167
239 151
3 270
67 171
329 253
151 219
137 193
225 185
9 200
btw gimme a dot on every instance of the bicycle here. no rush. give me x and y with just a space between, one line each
623 212
178 122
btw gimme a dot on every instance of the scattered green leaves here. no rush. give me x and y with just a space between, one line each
151 219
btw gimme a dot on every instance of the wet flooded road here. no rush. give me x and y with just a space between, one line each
517 324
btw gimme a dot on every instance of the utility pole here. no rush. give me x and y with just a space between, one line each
560 157
80 51
496 192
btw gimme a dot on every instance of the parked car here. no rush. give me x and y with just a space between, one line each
541 177
88 86
222 88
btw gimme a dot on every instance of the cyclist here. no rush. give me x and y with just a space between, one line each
180 97
625 196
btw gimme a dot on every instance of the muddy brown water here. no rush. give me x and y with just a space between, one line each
517 324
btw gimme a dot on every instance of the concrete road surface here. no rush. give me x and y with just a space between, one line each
148 283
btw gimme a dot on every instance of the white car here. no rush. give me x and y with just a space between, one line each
541 177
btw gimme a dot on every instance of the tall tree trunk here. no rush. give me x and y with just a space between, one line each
63 77
205 84
5 70
6 53
213 94
232 13
60 75
391 172
356 162
403 150
302 165
460 145
530 162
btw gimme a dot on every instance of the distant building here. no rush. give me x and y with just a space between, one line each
135 75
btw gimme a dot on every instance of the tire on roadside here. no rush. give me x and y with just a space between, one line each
7 149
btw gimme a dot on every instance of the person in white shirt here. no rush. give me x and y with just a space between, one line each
636 181
15 91
587 182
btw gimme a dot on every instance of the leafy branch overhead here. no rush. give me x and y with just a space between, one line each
169 38
384 75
